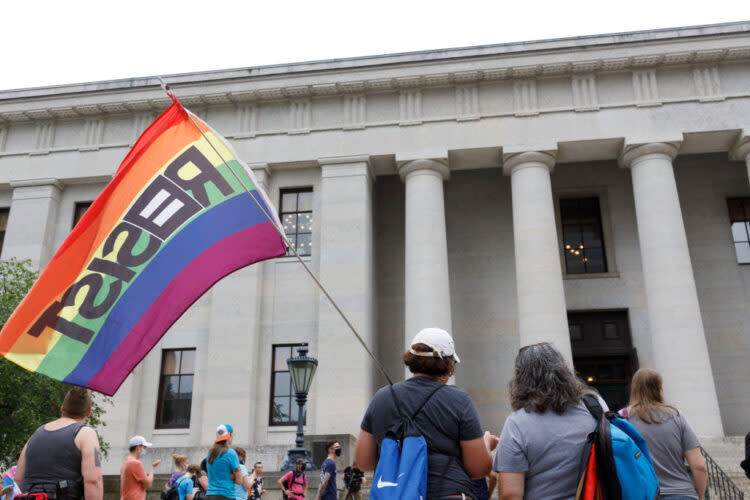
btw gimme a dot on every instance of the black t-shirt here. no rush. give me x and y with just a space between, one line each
446 420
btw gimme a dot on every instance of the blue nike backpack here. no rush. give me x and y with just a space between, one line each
623 464
401 473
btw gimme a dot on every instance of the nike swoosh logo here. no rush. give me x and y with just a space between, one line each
385 484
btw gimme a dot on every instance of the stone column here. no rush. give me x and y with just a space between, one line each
343 384
741 151
233 359
679 343
33 220
427 285
542 315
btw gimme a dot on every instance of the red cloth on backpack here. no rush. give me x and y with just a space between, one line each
590 489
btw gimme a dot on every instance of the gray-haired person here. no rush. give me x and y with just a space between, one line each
543 439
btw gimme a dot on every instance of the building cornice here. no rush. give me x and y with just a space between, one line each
436 55
498 62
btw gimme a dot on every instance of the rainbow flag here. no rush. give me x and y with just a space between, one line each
174 220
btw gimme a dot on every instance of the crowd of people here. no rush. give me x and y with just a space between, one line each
537 455
222 474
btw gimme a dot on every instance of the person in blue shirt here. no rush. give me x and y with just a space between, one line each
240 490
328 490
186 485
223 466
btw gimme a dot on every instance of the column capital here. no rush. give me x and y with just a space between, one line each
261 172
741 149
524 159
36 188
49 181
339 160
436 165
632 153
346 166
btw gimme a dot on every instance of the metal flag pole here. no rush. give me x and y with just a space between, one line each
312 275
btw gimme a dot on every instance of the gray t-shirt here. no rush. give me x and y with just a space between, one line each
447 419
548 448
667 443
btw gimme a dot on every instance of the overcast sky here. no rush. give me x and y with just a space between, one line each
56 42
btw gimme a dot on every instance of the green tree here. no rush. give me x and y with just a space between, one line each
28 399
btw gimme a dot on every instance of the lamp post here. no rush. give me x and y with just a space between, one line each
301 370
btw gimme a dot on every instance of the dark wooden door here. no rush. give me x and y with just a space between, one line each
603 353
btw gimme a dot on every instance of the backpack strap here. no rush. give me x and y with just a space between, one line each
399 407
595 409
426 400
396 402
302 475
593 406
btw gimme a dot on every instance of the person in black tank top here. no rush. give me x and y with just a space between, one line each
62 457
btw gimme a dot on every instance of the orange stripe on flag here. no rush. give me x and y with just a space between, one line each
160 143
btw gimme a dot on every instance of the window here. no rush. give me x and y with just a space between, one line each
283 409
739 216
79 210
175 388
4 213
583 244
297 218
576 331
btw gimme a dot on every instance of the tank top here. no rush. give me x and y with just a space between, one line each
51 457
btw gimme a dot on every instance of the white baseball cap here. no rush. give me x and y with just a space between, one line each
438 340
139 441
223 431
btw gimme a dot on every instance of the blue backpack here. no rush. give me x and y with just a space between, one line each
401 473
617 464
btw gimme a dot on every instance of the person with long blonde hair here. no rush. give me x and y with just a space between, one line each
669 437
180 466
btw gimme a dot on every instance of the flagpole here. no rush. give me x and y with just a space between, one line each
312 275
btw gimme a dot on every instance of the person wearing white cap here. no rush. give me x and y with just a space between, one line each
458 450
133 478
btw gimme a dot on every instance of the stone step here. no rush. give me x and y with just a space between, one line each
728 452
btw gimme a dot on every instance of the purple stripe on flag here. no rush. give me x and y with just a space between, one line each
240 249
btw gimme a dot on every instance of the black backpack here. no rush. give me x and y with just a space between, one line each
201 493
353 479
171 493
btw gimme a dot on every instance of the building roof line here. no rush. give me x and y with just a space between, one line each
383 60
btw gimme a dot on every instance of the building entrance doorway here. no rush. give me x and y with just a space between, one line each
603 353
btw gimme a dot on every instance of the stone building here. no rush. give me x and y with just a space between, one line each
592 192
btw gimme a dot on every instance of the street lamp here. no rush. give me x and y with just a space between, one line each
301 369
